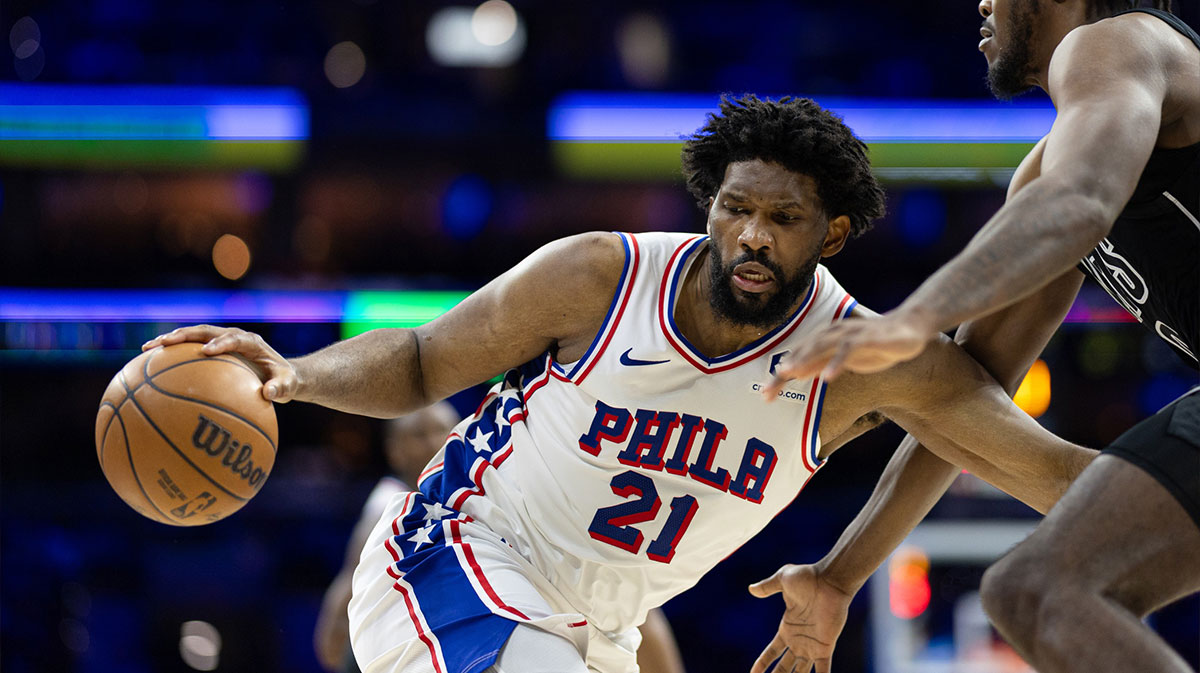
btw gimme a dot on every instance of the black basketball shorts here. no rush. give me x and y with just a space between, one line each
1167 446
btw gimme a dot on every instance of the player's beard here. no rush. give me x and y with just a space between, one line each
1007 76
757 310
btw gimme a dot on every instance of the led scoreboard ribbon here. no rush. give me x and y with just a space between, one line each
68 125
638 135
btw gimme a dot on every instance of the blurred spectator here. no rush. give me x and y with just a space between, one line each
409 443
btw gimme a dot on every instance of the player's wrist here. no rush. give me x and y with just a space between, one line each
918 318
302 380
835 576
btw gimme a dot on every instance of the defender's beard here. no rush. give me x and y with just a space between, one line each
1008 74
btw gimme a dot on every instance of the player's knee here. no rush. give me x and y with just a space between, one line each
1013 592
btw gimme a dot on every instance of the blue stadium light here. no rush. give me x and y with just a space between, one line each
922 217
118 112
52 305
466 207
657 118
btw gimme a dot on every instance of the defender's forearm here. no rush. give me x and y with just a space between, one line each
1038 236
377 373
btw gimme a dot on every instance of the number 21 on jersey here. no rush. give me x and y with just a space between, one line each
614 524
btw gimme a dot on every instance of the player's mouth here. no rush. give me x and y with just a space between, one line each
752 277
987 33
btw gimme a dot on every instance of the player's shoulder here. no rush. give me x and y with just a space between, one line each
584 261
605 254
1130 25
589 247
567 285
1129 43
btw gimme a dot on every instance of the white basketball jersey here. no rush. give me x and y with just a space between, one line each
625 476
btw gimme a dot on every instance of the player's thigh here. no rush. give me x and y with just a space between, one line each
532 650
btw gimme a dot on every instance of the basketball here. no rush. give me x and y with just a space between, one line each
184 438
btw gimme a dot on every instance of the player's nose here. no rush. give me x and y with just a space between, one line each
756 233
985 8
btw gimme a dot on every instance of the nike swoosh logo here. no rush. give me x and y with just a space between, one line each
634 362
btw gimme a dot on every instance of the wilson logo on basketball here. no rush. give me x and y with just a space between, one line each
216 440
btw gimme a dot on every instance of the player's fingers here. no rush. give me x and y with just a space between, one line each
835 364
769 654
824 665
280 389
800 365
768 587
771 390
234 341
200 333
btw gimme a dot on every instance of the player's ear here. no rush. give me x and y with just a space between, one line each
836 235
708 215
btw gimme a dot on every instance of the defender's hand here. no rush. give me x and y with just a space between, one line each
812 620
863 345
279 376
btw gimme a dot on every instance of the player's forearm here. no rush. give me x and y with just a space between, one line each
910 486
1011 451
1039 235
377 374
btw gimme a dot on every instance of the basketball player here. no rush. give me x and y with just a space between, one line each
410 442
628 447
1113 191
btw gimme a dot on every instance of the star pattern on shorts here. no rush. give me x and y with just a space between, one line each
435 511
422 536
480 441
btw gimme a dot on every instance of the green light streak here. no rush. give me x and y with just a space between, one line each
368 310
270 155
660 161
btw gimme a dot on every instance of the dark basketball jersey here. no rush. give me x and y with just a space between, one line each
1150 261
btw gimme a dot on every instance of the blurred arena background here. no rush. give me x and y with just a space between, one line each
312 169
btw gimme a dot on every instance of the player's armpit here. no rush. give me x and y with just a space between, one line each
953 407
865 423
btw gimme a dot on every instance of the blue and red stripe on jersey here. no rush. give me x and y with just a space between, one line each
616 309
811 461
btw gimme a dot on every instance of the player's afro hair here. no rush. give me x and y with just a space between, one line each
795 133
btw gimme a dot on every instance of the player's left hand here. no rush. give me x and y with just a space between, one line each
863 345
813 619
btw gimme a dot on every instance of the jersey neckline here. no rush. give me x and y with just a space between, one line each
677 268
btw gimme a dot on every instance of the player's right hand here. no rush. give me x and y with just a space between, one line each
278 375
813 618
